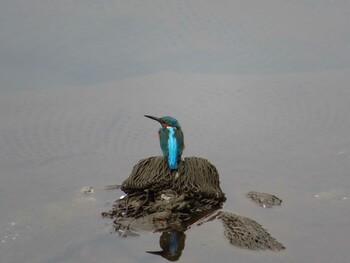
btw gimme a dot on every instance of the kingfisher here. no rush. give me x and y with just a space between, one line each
171 139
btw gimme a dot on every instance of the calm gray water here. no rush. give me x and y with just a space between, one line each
260 89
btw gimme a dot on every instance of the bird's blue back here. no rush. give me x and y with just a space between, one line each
171 141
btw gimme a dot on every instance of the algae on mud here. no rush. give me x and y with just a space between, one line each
170 201
263 199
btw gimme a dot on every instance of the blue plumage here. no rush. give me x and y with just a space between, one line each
172 148
171 139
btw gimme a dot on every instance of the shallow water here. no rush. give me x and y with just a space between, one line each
279 128
288 138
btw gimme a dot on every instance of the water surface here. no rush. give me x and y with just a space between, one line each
260 90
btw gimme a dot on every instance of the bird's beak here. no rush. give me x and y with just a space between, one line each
154 118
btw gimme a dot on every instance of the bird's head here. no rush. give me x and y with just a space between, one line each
166 121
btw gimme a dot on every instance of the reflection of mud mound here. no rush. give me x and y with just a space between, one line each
264 200
247 233
152 187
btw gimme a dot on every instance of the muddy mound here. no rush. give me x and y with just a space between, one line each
152 187
169 201
264 199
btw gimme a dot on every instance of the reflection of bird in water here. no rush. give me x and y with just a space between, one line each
171 139
172 244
